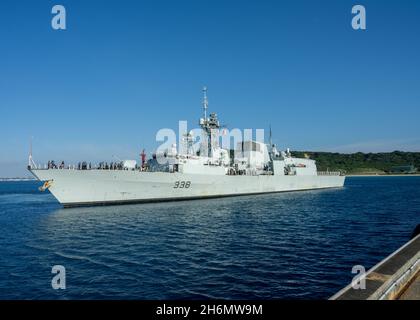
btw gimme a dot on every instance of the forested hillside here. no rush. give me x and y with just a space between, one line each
362 162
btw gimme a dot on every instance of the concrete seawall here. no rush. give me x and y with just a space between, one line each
397 277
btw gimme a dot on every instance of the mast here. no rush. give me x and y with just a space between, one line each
205 102
209 126
30 152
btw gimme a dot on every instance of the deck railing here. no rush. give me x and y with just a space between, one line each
77 167
119 167
330 173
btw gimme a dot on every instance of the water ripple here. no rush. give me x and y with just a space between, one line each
281 246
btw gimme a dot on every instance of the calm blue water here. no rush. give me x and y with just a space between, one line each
284 246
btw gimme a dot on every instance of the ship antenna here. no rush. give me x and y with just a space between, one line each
271 141
205 102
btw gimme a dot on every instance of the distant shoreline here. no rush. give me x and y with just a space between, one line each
383 175
16 179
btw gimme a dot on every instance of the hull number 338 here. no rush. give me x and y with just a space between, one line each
182 184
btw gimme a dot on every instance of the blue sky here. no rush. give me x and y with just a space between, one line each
124 69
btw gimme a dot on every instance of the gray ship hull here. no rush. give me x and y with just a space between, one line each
108 187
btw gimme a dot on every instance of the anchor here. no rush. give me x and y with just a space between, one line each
46 185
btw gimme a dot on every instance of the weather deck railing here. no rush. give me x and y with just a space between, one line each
114 166
77 167
330 173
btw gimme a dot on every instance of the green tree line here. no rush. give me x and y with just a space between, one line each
361 162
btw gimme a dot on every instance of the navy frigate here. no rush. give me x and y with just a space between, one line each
185 173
